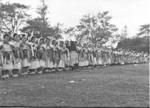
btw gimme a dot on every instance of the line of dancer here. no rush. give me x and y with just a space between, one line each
23 54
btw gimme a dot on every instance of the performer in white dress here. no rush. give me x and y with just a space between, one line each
16 55
25 52
58 61
86 62
7 57
66 55
63 55
100 56
56 55
81 56
49 55
90 56
41 55
34 60
94 56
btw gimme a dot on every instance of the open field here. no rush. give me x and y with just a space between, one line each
111 86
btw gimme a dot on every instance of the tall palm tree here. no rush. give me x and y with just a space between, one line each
144 30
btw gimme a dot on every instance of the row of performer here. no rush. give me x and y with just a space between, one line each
21 55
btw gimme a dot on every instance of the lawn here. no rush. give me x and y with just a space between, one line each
111 86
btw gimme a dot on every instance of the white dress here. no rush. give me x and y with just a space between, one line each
7 59
81 58
49 62
17 60
34 62
54 65
94 57
62 58
25 60
42 62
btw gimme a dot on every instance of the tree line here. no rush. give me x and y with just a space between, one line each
139 43
95 29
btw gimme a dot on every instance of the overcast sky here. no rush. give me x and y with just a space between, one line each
132 13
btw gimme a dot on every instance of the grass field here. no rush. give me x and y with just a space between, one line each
102 86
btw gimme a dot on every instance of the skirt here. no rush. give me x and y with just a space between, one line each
49 64
81 61
25 63
94 61
17 64
35 64
100 61
73 58
63 60
8 66
7 61
90 59
42 63
61 64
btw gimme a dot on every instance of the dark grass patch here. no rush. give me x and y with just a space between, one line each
101 86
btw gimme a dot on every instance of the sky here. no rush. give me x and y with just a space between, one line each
131 13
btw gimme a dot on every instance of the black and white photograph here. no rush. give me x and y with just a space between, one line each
74 53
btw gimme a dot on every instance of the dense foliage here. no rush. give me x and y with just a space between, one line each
12 16
96 29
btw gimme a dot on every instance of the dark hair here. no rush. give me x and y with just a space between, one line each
14 35
53 42
23 35
42 39
6 35
32 38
